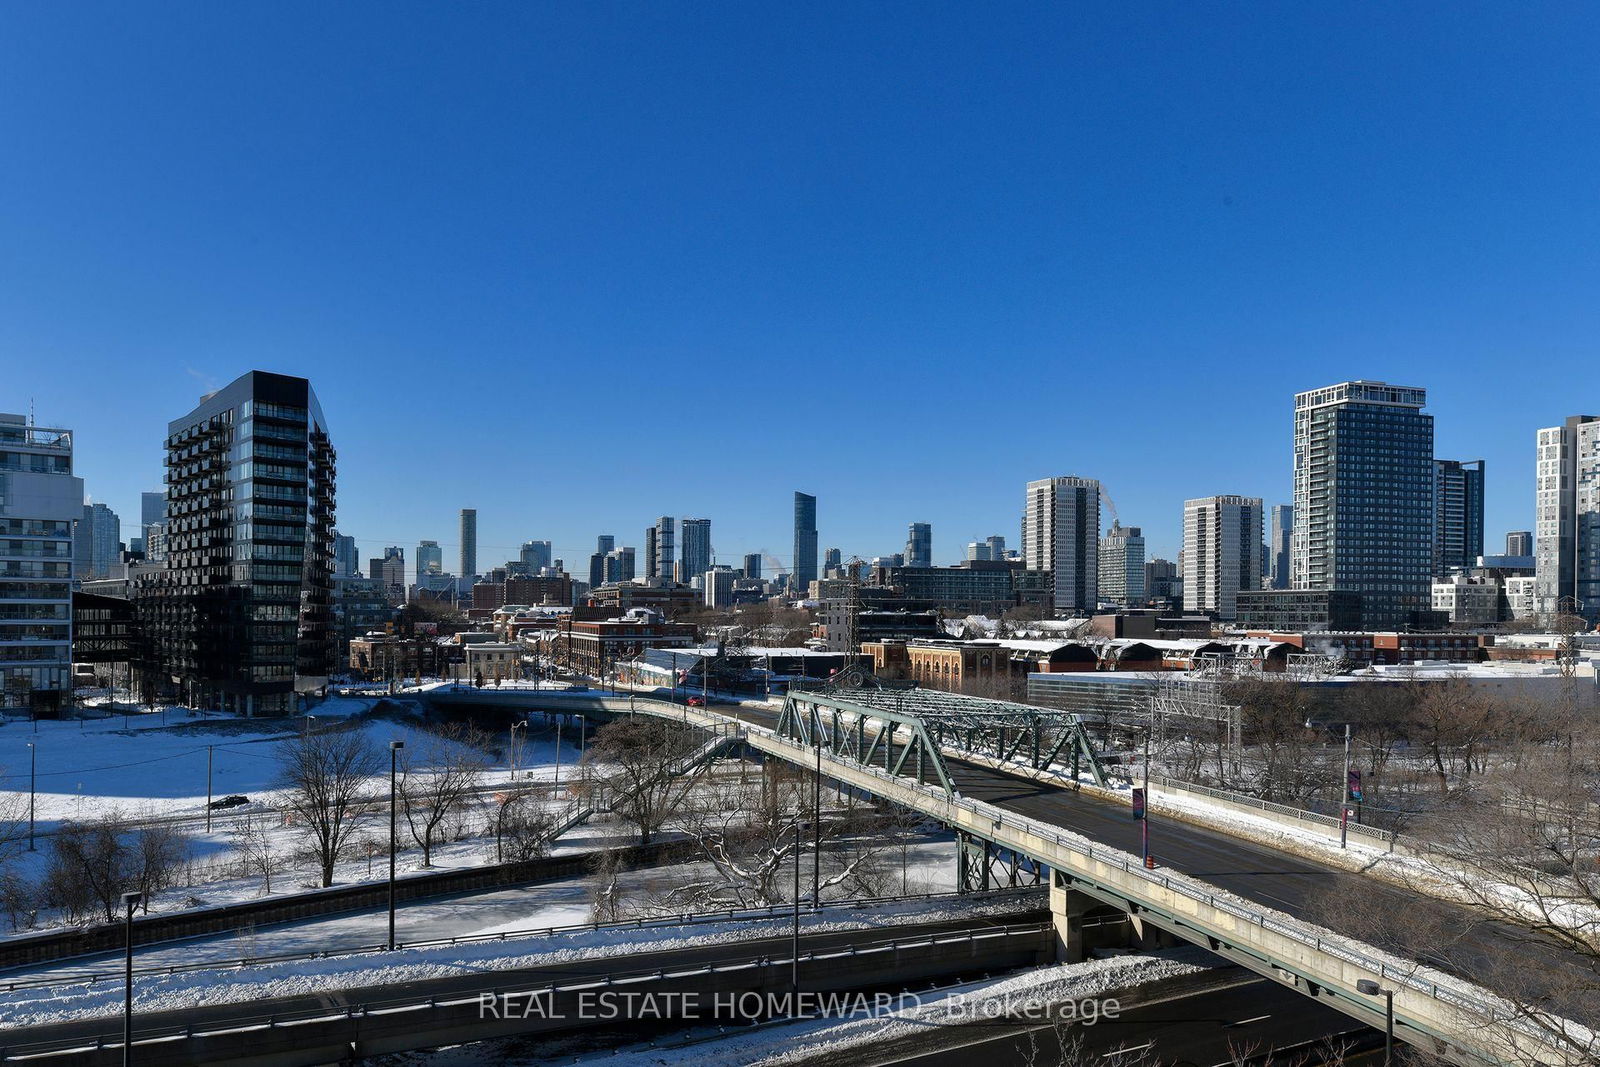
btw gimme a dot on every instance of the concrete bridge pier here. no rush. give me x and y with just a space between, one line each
1083 924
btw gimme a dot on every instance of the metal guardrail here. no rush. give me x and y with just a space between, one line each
722 915
1481 1004
1244 800
12 1052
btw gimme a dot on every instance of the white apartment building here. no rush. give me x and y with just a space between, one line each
1567 518
1061 535
40 499
1221 552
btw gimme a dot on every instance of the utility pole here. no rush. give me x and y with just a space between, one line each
1344 794
208 788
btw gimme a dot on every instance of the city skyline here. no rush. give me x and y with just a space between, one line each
1510 499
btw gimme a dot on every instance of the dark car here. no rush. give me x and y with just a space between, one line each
230 801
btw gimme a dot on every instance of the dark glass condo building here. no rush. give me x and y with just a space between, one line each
805 542
241 618
1363 498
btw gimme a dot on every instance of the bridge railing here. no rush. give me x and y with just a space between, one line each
1242 800
1483 1007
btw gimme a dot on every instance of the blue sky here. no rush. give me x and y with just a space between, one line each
579 265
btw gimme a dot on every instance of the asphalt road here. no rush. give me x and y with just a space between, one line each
1247 1017
1520 962
488 977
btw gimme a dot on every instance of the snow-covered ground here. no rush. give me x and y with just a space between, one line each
518 910
57 1003
153 765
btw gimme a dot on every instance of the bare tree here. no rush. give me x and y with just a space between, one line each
89 868
606 893
19 899
1450 721
13 822
438 778
158 851
637 761
322 776
746 831
521 827
253 841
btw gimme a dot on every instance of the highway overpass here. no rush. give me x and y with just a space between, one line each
1242 901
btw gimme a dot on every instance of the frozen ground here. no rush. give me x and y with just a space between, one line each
154 765
930 869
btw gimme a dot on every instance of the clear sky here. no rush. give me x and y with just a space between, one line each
581 264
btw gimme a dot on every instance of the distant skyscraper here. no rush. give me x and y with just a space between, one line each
997 546
346 559
805 541
1122 565
1363 499
95 541
666 547
619 565
1159 577
537 556
390 569
1221 552
1519 543
832 559
1277 559
605 543
696 534
430 558
242 615
752 565
978 551
1061 535
469 543
152 509
1457 514
919 545
597 570
1567 528
40 500
651 574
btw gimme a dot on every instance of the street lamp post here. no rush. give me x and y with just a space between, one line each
208 788
794 962
1372 989
129 902
557 787
394 753
816 826
1144 823
33 775
1344 794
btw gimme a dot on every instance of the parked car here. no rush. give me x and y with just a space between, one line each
230 801
696 702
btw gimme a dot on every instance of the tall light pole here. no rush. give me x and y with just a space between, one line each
794 962
557 786
816 824
394 753
208 788
1372 989
1144 821
1344 793
33 775
129 902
